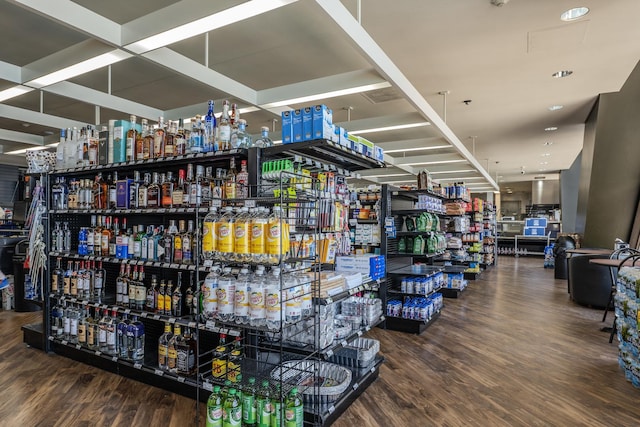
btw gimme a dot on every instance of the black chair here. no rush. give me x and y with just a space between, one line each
589 284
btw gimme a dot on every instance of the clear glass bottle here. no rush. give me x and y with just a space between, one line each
163 347
132 136
242 181
176 303
158 140
122 341
264 141
224 131
154 195
135 340
210 127
196 137
187 244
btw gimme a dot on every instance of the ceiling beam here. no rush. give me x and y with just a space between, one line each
29 116
190 68
10 72
21 137
82 93
336 11
71 14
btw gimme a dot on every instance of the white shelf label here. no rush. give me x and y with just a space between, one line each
192 324
78 346
181 379
158 372
64 342
114 359
207 386
172 320
250 203
156 317
210 324
137 365
127 311
355 386
144 314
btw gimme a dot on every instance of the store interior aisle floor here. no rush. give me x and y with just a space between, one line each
512 351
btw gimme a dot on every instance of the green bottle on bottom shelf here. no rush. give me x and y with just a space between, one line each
276 408
249 404
232 410
214 408
294 409
263 405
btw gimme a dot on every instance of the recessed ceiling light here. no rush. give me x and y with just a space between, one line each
546 154
548 143
541 170
560 74
550 129
544 163
556 107
575 13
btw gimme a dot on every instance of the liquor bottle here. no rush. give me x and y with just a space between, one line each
140 141
294 410
186 351
74 281
57 321
156 241
137 241
98 283
209 126
188 298
187 244
230 189
153 192
242 183
121 337
92 147
85 279
148 144
92 330
179 140
142 192
166 190
73 315
132 286
177 196
172 351
125 286
177 243
91 236
158 140
168 299
168 242
205 186
214 408
113 234
66 283
133 190
132 137
141 290
57 278
66 238
234 363
120 285
160 297
217 186
232 409
144 244
130 238
176 302
97 237
60 150
106 237
196 137
191 191
219 363
113 193
151 303
264 141
163 347
169 140
249 409
135 340
224 133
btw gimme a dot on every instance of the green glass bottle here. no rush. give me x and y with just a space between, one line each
264 407
294 409
249 404
214 408
276 408
232 412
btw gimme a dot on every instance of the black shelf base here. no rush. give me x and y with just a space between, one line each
33 336
410 326
451 293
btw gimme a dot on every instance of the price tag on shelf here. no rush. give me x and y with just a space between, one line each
329 353
98 353
250 204
137 365
210 324
207 386
114 359
224 331
174 266
148 263
331 409
157 264
156 317
74 300
105 307
192 267
51 338
78 346
308 161
355 386
216 203
359 333
127 311
181 379
173 210
317 164
344 343
172 320
144 314
191 324
158 372
325 167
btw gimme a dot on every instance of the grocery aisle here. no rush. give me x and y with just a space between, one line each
513 351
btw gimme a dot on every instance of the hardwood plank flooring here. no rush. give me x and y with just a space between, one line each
512 351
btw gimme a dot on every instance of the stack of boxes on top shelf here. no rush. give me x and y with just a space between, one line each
368 265
316 122
535 227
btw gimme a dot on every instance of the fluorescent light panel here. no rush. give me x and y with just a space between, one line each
387 175
405 150
399 182
80 68
458 171
395 127
12 92
437 162
208 23
326 95
24 150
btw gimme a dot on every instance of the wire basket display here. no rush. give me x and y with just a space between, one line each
314 379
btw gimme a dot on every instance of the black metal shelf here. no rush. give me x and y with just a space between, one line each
134 211
367 285
414 211
175 160
416 233
411 326
400 293
324 151
413 194
407 255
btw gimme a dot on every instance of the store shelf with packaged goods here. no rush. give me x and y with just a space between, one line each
413 194
325 151
367 285
397 292
415 212
411 326
156 162
134 211
408 254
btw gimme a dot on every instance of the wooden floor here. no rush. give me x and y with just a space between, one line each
512 351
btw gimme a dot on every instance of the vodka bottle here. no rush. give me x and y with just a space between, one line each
241 309
226 295
98 283
264 141
66 322
73 315
209 127
257 309
121 340
135 340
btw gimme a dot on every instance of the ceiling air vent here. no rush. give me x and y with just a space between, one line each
382 95
540 177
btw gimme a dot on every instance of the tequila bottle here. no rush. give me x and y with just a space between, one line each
163 347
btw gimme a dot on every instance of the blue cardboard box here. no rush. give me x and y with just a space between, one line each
297 125
307 123
535 231
287 127
321 122
535 222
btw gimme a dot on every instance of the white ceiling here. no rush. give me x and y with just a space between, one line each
500 58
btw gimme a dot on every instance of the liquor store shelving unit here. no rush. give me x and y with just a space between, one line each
290 349
398 204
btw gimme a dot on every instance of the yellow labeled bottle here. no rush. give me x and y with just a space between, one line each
225 233
274 236
242 232
219 364
209 236
257 241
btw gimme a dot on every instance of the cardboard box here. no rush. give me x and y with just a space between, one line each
287 127
120 129
378 153
122 193
321 122
103 147
307 123
535 231
344 137
535 222
296 125
367 147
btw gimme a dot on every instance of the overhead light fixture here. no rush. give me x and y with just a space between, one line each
399 182
80 68
387 175
24 150
544 163
456 171
396 127
208 23
246 110
560 74
12 92
325 95
573 14
556 107
551 129
499 3
546 154
405 150
436 162
548 143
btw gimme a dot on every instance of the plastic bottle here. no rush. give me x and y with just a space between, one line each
304 280
225 246
257 308
293 298
242 236
232 410
275 236
264 407
210 294
294 410
241 309
273 300
249 411
226 295
209 236
276 407
214 408
258 238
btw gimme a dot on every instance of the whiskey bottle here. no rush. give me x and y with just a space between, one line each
163 347
187 244
57 278
73 288
113 193
150 304
140 141
168 299
179 140
172 351
167 191
140 290
177 197
176 303
160 298
112 237
137 242
188 299
149 142
158 140
153 192
219 363
132 137
120 285
92 330
186 350
169 140
142 192
242 181
132 287
230 181
177 243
